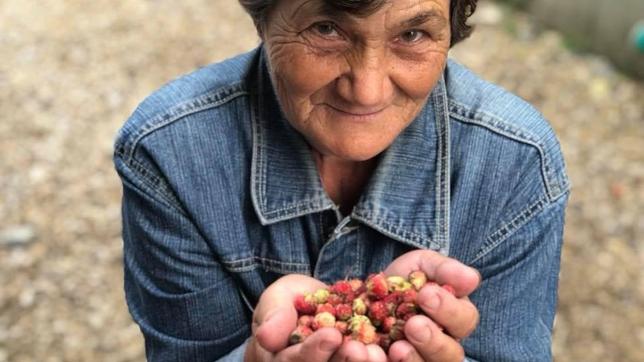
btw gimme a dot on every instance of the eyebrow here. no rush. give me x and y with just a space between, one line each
422 18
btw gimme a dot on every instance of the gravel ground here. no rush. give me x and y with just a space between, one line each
73 70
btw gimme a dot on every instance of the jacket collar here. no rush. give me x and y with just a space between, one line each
407 198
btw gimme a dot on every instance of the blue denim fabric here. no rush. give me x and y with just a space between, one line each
221 197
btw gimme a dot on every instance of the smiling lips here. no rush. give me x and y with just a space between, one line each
357 115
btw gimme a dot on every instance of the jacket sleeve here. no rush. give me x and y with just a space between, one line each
186 304
518 295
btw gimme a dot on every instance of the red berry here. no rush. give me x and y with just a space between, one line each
343 289
397 331
384 341
299 334
406 310
305 320
377 286
304 304
388 324
392 300
326 307
357 286
334 299
343 312
409 295
342 327
378 312
365 333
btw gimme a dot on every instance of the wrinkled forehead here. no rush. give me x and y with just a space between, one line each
387 13
361 8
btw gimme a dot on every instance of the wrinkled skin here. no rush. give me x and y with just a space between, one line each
351 84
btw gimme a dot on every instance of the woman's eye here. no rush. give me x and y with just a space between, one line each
325 29
412 36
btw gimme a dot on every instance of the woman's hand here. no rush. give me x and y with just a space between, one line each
450 317
275 318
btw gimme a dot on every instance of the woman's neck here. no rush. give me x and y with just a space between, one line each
344 181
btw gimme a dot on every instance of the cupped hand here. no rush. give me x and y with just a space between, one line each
275 318
436 337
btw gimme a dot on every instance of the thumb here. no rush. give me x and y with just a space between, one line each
275 327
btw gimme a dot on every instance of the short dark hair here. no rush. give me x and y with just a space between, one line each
459 11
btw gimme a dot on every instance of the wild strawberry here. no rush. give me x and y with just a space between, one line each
384 341
418 279
357 320
343 289
320 296
449 288
357 286
365 333
323 320
342 327
343 311
334 299
359 307
377 286
395 282
392 300
305 304
397 331
378 312
326 307
299 334
406 310
409 295
305 320
388 324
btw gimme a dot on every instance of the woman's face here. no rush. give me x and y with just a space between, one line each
351 84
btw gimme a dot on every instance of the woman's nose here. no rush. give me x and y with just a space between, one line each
366 83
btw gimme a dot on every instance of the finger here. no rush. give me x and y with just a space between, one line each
430 342
375 353
272 333
459 317
403 351
351 351
275 316
439 268
354 351
318 347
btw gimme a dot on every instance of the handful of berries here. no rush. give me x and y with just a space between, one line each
372 312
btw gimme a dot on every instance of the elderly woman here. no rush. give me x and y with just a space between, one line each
345 144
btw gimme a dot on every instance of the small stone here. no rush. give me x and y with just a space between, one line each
17 235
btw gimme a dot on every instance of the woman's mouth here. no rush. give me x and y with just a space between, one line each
361 115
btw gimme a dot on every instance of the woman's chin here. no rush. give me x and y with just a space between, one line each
353 152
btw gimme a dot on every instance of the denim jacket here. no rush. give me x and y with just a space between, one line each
221 197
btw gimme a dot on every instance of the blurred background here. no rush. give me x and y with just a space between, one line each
72 71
